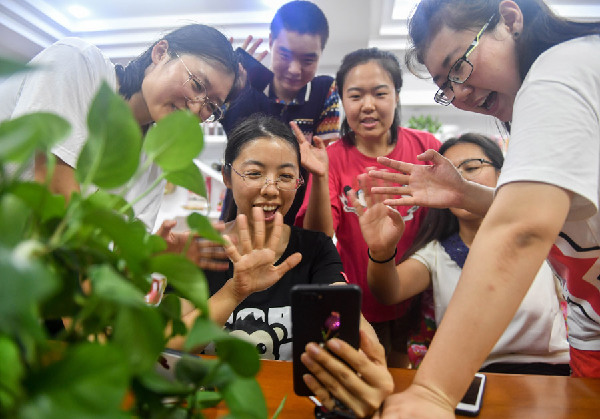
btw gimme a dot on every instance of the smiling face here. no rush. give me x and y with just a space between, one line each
369 101
270 157
488 175
492 87
164 88
295 60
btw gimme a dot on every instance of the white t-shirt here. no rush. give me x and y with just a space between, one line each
555 140
69 76
537 332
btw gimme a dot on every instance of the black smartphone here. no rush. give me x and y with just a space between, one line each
259 76
319 313
470 405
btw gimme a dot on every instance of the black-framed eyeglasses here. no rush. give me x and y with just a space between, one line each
460 71
199 95
470 168
258 180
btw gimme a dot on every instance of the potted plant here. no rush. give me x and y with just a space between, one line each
89 262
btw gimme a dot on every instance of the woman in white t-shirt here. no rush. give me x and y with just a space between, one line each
539 74
535 341
193 67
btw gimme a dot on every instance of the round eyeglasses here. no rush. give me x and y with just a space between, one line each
470 168
258 180
459 72
197 94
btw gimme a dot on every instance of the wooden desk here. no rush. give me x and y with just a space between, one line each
505 397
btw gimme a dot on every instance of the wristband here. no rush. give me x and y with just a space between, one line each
382 261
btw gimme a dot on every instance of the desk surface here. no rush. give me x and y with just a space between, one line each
505 397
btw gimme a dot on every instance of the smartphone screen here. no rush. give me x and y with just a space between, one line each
470 404
319 313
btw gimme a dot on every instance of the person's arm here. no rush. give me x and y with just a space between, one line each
314 159
63 180
438 185
512 242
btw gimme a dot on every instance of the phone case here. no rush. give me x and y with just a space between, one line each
321 312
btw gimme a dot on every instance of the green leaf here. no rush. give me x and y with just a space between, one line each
111 155
203 332
174 141
40 200
14 215
8 66
11 373
158 384
24 282
192 369
189 177
139 331
245 398
20 137
129 237
184 276
108 285
242 356
107 200
202 226
89 382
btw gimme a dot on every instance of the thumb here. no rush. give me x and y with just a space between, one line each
430 155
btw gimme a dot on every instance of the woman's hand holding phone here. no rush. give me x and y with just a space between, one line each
362 385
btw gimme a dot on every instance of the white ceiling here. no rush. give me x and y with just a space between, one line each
125 28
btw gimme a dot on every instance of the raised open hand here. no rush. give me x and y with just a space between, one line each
381 225
251 49
438 185
313 157
253 262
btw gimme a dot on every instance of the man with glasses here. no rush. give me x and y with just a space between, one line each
290 92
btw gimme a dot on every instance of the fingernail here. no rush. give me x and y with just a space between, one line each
313 349
334 344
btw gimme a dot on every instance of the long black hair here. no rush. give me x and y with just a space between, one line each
389 63
440 223
196 39
542 28
249 129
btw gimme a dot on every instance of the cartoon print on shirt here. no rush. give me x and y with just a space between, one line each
360 194
250 324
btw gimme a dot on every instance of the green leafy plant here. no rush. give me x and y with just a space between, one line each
425 123
89 261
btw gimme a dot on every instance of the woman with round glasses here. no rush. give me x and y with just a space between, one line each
252 298
437 256
540 75
193 67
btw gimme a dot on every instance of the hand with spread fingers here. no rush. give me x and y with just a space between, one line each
204 253
438 185
253 261
251 49
381 225
362 385
312 157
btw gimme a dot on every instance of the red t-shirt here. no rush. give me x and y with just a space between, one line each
345 164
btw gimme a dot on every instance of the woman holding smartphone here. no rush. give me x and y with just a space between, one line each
252 298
